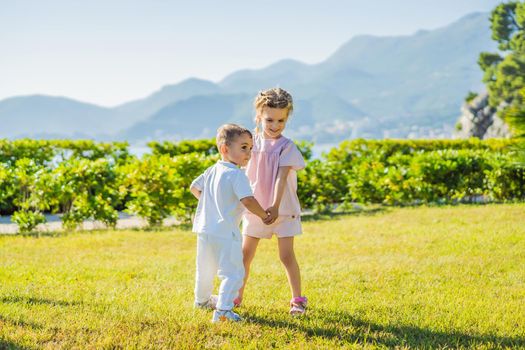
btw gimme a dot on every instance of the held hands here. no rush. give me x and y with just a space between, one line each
267 219
273 214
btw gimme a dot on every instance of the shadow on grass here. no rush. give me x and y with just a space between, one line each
37 301
43 234
19 323
183 226
64 233
347 329
8 345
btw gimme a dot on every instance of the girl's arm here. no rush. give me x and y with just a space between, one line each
280 184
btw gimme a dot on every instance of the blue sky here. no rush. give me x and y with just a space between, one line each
112 51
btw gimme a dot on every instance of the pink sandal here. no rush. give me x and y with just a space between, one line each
237 302
298 306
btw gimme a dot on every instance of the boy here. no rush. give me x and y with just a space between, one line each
221 189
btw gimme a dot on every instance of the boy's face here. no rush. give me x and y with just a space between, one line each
239 151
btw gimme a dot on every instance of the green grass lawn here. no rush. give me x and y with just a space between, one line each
438 277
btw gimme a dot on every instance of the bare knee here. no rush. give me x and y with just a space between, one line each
247 259
249 246
248 255
287 258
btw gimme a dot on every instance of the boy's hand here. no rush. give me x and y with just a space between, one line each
274 214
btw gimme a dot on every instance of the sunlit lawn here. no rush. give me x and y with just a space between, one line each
438 277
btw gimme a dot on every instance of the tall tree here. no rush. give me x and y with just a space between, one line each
504 71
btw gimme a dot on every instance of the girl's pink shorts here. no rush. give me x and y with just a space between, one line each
284 226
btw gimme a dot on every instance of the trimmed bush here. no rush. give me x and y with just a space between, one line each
87 180
205 146
158 186
401 172
81 189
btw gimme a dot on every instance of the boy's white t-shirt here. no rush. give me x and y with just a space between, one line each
219 211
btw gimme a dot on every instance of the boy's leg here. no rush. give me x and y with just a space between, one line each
230 271
205 270
249 246
287 256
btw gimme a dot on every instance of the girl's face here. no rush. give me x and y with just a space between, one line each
273 122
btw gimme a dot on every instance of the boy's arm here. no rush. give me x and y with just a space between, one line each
253 206
243 191
197 185
196 192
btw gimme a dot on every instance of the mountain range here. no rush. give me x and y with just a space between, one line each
394 86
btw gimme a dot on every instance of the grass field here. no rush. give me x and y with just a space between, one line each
428 277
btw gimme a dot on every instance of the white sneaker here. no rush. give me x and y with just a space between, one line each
225 315
209 304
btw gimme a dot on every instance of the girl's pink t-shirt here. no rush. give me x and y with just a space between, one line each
267 156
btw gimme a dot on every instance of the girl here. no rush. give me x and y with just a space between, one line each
272 174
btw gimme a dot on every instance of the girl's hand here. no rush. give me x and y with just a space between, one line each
274 214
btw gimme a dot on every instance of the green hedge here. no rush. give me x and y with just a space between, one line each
403 172
206 147
88 180
158 185
48 151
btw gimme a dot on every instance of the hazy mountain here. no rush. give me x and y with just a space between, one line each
415 77
140 109
195 117
249 81
31 115
371 86
397 82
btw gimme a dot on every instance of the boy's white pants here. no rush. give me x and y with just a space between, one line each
222 257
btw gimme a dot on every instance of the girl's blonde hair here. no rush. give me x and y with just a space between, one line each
272 98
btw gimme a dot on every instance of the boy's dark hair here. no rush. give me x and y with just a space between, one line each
227 133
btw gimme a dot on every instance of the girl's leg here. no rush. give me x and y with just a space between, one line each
287 256
249 246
